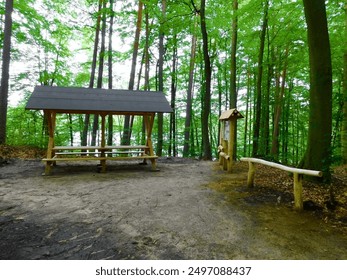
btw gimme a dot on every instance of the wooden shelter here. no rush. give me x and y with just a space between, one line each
227 135
102 102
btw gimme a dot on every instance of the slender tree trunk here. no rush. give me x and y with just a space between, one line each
207 153
344 121
256 132
188 119
233 68
278 111
318 153
101 69
264 142
161 76
147 56
247 118
110 72
147 68
127 120
92 73
70 129
5 76
172 147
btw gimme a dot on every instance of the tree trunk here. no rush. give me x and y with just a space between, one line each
5 76
188 119
207 153
147 62
127 120
318 153
92 73
247 116
233 87
172 147
278 111
344 121
101 69
256 132
110 73
160 76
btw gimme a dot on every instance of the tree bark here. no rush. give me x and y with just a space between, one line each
110 72
188 119
278 111
207 153
100 70
344 120
172 147
318 152
233 74
160 76
84 139
127 120
5 76
256 132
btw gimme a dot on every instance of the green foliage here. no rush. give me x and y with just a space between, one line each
54 40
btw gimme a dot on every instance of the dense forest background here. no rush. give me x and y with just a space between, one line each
206 56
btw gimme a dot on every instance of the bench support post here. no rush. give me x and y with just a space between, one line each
298 200
51 121
103 143
251 172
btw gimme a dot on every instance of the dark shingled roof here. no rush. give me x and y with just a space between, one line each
91 100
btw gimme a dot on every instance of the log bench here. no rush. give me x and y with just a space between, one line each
297 172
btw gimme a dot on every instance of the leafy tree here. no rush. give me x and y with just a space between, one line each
6 57
318 153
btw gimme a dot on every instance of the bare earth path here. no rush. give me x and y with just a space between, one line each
132 213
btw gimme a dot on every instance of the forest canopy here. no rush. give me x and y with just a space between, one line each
206 56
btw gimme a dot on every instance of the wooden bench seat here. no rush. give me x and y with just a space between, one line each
83 148
97 158
99 153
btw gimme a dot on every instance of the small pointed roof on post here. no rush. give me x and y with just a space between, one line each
230 114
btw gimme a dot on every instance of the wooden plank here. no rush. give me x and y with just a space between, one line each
70 159
56 148
131 158
127 147
77 153
98 158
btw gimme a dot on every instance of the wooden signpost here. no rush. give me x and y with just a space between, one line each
227 137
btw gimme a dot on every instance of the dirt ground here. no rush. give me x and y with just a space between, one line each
189 210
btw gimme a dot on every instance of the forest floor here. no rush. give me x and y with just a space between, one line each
189 210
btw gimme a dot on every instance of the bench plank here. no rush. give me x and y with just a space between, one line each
97 158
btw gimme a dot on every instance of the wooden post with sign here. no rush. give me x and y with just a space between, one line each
227 136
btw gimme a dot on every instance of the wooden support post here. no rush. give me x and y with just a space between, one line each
298 200
103 143
51 119
149 121
251 172
221 145
232 123
225 161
